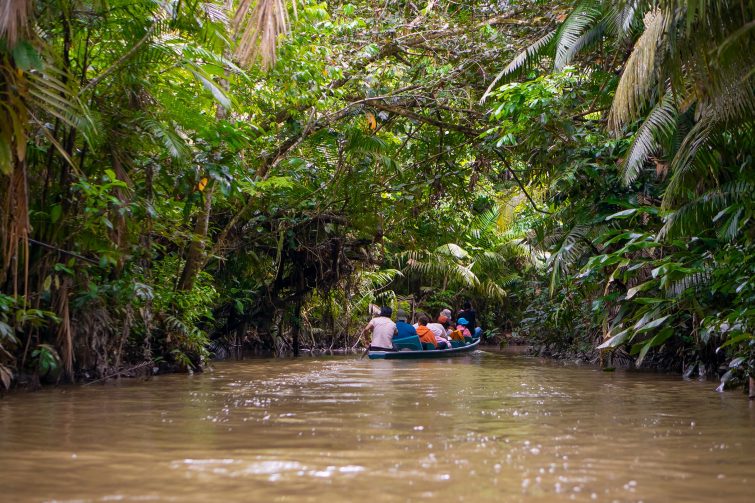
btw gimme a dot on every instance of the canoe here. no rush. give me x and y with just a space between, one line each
426 353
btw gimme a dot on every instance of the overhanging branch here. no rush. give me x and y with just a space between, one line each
519 182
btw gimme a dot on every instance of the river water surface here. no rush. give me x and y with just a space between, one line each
484 427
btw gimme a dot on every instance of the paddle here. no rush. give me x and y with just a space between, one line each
367 349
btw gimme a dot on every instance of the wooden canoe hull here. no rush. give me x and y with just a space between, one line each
432 353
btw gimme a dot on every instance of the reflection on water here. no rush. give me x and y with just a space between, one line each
484 427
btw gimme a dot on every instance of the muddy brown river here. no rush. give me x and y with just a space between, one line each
484 427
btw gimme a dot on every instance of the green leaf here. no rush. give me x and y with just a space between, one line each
659 339
736 362
216 91
26 57
653 324
6 157
616 340
622 214
735 340
55 213
6 376
639 288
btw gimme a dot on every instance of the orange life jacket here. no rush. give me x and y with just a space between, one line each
426 335
457 335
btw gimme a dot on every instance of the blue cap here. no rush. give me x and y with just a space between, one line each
462 321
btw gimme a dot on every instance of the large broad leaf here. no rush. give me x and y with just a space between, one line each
616 340
639 288
6 376
652 324
26 57
622 214
659 339
736 362
218 93
453 250
736 340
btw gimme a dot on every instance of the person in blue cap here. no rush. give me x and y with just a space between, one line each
461 326
469 314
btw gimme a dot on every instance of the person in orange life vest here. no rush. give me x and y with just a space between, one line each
462 327
424 333
383 329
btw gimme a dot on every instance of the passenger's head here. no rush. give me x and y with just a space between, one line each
446 312
400 315
443 320
386 311
463 322
423 320
467 304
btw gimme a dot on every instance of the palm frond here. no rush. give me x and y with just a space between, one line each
588 38
621 18
693 158
575 243
699 215
696 280
660 123
571 32
167 137
260 25
376 280
484 222
14 20
53 97
639 76
523 61
492 290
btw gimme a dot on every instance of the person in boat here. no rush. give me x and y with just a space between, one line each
406 338
469 314
441 334
383 330
453 334
403 329
425 334
462 324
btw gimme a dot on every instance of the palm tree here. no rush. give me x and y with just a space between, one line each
689 78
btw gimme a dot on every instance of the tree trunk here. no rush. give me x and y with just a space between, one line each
195 258
296 327
195 254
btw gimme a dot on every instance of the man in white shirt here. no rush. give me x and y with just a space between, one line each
383 329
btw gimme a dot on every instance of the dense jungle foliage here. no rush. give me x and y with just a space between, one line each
182 178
